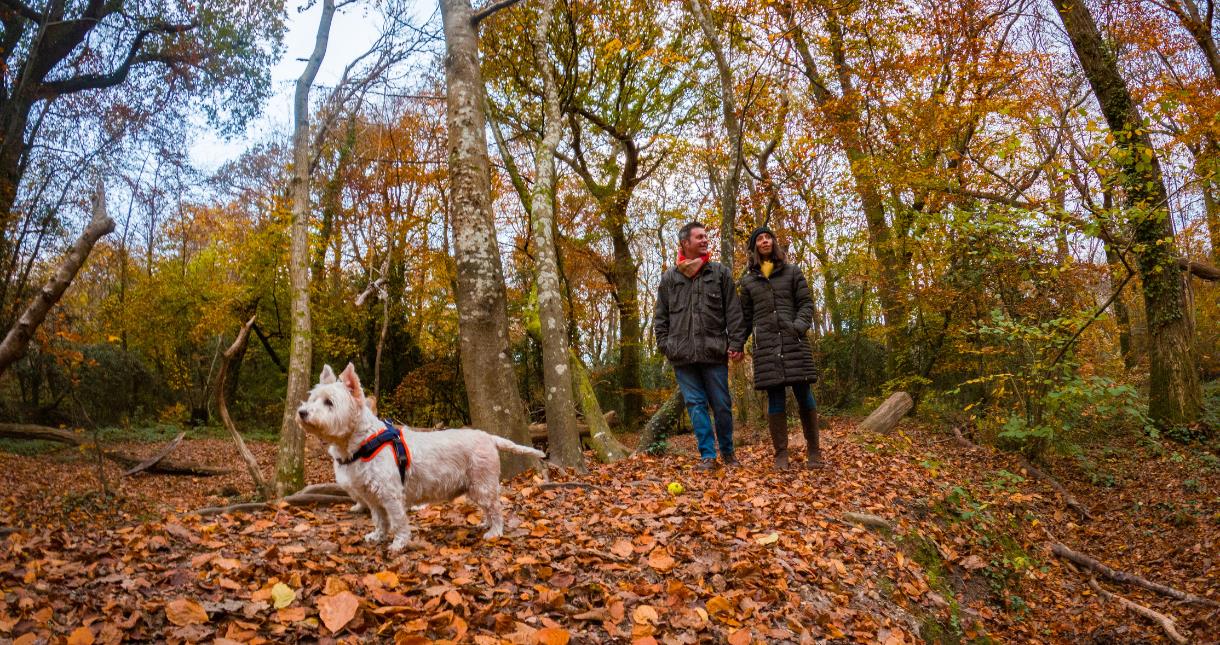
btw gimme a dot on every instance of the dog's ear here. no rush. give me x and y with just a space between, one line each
370 402
328 376
349 379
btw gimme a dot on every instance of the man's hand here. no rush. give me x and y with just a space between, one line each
736 356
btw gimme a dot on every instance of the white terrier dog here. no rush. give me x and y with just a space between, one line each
440 465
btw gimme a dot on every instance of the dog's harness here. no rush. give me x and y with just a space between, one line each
390 436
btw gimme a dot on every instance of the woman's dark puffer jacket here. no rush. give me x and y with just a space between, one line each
778 311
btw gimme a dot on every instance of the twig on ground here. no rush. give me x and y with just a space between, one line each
299 499
869 521
1068 499
1166 623
554 485
1089 563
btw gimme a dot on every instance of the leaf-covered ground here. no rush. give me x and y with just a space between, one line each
741 556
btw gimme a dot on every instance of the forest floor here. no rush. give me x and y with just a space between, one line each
747 555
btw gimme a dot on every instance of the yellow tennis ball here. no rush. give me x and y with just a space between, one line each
675 488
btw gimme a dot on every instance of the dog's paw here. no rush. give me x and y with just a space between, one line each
374 537
402 542
359 507
492 534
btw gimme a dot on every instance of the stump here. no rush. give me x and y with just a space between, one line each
888 414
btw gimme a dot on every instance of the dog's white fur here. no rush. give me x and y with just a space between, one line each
444 464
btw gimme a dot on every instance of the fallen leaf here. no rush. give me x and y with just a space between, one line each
552 636
772 538
660 560
184 612
623 549
81 636
719 605
740 637
645 614
282 595
338 610
973 562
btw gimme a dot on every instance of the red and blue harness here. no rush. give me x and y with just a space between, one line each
390 436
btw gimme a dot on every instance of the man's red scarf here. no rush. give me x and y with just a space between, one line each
689 267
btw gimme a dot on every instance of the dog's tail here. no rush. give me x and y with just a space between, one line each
516 448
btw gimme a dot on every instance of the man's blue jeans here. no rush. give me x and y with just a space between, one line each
801 391
703 384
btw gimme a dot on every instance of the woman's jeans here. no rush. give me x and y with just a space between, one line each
800 391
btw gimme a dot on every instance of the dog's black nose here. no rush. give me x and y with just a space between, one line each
303 413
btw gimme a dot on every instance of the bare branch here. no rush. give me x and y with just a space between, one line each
491 9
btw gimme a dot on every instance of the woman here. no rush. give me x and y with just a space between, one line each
778 311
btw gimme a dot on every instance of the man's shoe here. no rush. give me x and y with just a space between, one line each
731 461
707 463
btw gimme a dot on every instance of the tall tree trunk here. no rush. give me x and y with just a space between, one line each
1121 315
18 337
843 110
563 437
626 274
732 127
491 386
1175 396
290 462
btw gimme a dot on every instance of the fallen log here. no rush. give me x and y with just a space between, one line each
1167 624
538 430
1123 577
164 466
155 459
869 521
298 499
888 414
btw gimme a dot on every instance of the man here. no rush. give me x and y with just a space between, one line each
698 325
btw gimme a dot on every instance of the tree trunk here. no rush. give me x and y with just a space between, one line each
845 113
491 386
222 408
732 127
18 338
604 444
662 422
1175 395
563 438
290 462
888 414
1121 315
626 275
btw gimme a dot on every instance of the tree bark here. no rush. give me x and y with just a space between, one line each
732 128
604 444
563 438
290 461
662 422
888 414
625 273
222 408
18 338
491 386
1175 395
843 110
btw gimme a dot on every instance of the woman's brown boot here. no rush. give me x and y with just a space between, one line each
778 425
813 449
